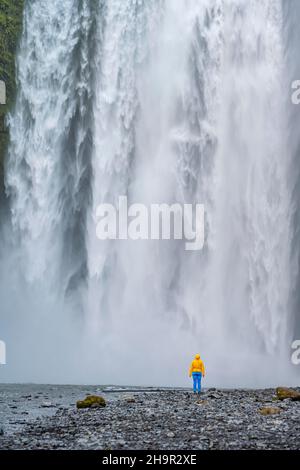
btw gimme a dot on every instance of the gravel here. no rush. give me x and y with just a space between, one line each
153 420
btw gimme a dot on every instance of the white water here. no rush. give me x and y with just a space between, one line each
163 101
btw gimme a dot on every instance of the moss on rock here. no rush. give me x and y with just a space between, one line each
11 19
284 393
91 401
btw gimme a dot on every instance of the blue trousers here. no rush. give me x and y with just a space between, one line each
197 376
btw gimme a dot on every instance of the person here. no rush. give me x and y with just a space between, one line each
197 371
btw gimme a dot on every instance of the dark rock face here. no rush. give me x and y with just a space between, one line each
10 28
163 420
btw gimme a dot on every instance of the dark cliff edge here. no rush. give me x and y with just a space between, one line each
11 19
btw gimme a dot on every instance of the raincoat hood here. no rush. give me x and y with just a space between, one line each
197 356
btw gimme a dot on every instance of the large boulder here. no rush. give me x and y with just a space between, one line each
91 401
284 393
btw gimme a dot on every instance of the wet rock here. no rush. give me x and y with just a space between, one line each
91 401
284 393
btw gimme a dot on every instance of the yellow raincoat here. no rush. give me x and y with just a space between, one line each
197 366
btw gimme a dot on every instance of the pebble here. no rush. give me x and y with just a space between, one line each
47 404
161 420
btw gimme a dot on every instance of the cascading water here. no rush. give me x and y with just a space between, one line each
162 101
53 118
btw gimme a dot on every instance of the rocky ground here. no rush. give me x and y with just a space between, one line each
150 419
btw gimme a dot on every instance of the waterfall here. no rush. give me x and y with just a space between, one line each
161 101
49 164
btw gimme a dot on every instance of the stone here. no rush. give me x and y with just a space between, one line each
202 402
130 400
47 404
91 401
159 420
121 442
284 393
216 396
269 411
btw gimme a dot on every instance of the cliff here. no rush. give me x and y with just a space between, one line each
11 13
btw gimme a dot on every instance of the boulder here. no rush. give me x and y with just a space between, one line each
269 411
284 393
91 401
130 400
